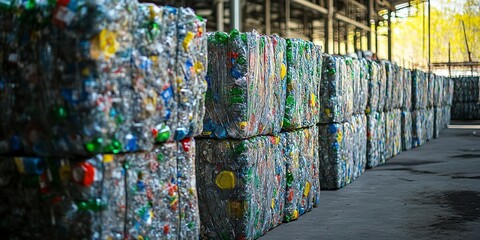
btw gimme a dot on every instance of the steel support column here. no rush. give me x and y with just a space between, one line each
376 37
429 36
287 18
268 26
329 27
355 40
369 19
389 35
220 15
347 29
338 37
235 14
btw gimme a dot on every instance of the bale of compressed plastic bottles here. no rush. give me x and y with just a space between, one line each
246 85
358 74
407 90
336 101
132 195
419 89
406 130
418 127
300 153
393 132
373 86
105 77
466 98
304 68
342 151
241 186
382 87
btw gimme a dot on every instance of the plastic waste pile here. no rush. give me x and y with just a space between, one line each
344 100
101 99
466 98
253 175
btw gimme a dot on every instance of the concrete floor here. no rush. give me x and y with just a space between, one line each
431 192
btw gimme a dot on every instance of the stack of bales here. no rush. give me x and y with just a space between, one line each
105 113
259 152
448 91
394 101
384 122
466 98
375 120
429 120
241 175
343 127
442 103
300 133
419 107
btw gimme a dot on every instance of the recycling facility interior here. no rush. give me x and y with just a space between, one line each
201 119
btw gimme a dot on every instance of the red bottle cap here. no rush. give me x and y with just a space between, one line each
84 174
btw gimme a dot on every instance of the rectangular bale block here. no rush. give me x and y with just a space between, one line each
393 133
300 153
419 89
406 130
358 74
246 85
135 195
304 64
430 123
407 89
373 87
241 186
418 129
336 101
342 158
109 84
376 139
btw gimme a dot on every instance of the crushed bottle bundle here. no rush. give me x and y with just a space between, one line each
107 77
336 91
406 130
373 87
103 119
346 84
253 175
303 84
300 153
393 130
246 85
422 101
466 98
342 151
133 195
241 186
375 139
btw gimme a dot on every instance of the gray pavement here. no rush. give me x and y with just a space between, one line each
430 192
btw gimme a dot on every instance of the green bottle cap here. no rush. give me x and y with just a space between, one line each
244 37
234 33
289 179
221 37
163 134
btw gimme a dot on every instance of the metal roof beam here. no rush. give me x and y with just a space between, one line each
351 22
359 5
312 6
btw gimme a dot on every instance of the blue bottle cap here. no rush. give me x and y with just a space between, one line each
33 166
180 134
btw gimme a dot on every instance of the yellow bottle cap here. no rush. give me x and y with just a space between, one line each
306 191
225 180
108 158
